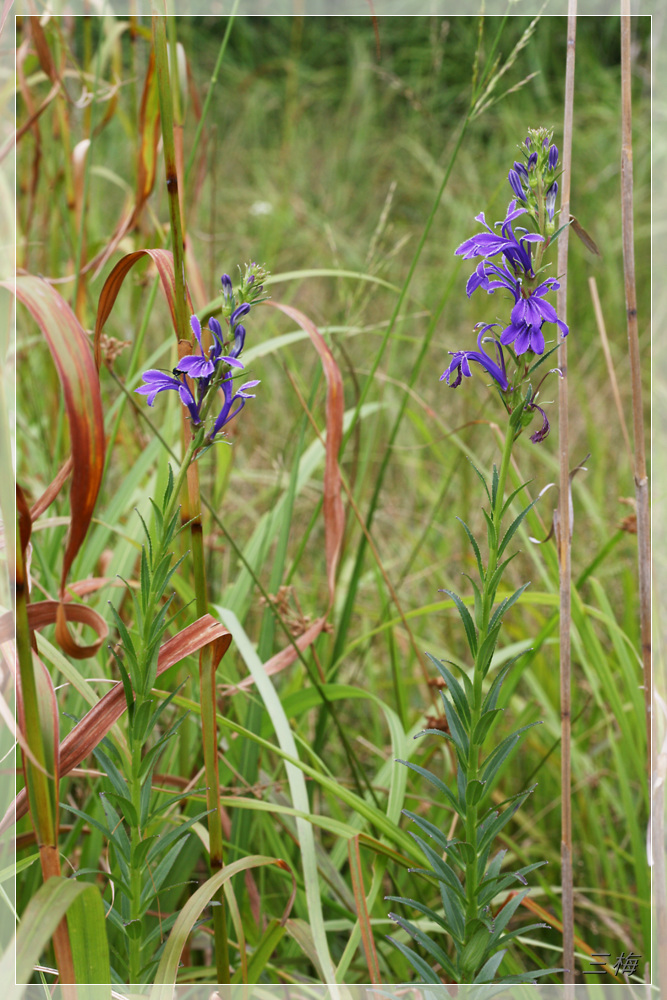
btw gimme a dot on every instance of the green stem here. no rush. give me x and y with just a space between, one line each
136 871
488 592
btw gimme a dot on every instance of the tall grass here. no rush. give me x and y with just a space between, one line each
324 160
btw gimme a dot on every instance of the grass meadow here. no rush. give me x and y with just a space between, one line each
317 147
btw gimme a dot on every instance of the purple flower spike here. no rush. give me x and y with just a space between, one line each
532 160
460 363
226 282
553 157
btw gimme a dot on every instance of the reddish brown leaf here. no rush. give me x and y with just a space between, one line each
44 613
149 131
79 379
98 721
51 491
24 518
165 265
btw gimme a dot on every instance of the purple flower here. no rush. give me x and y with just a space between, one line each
460 362
532 161
489 244
516 185
226 282
551 200
540 435
157 381
238 313
553 157
226 413
198 366
530 311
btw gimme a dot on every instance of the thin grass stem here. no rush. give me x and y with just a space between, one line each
641 478
564 533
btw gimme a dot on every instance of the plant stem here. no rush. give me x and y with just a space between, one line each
488 592
563 536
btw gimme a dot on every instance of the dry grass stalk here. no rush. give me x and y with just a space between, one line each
641 478
564 533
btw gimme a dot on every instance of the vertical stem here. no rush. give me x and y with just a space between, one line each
472 810
564 539
641 479
193 502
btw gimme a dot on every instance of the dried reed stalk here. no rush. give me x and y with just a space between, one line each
564 521
641 478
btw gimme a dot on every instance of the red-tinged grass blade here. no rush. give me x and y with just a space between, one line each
44 613
42 49
71 354
38 924
165 977
98 721
24 518
52 490
163 260
149 131
281 660
367 939
334 514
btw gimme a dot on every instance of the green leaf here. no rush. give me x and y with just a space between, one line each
164 841
455 689
492 826
117 780
475 548
439 784
456 727
483 480
474 792
159 874
488 648
484 725
127 807
418 964
506 605
494 486
440 868
427 943
167 970
496 759
468 623
491 699
513 527
88 938
40 919
426 910
489 969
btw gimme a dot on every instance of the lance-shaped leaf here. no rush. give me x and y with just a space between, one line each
70 350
